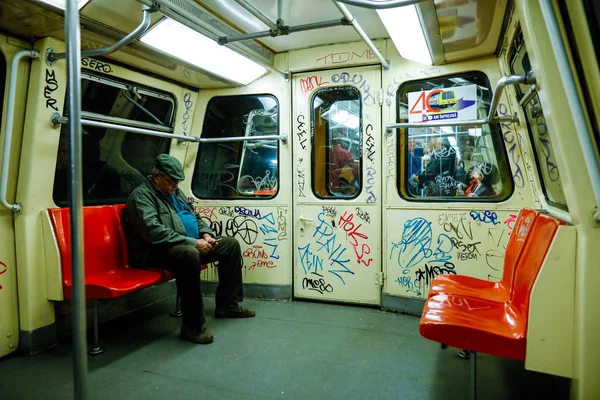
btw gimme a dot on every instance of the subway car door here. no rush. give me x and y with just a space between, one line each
337 188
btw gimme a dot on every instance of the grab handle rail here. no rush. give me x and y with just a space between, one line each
10 116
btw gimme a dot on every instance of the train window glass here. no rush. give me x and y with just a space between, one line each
114 162
451 163
238 169
536 124
336 142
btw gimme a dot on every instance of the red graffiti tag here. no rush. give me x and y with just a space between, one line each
510 223
312 82
353 234
3 269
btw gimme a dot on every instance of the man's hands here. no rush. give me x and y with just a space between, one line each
203 246
206 244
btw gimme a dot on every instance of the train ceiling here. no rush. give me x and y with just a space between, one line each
467 28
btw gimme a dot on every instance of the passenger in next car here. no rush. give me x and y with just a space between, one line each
343 170
483 176
415 155
438 176
164 231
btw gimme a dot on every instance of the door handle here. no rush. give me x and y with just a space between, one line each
305 220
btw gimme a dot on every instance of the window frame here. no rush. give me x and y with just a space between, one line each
511 56
240 197
402 148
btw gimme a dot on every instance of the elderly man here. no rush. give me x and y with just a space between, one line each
164 231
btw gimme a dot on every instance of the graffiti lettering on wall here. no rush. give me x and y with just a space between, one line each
269 229
311 83
390 92
207 212
254 213
371 172
431 271
360 82
344 57
282 223
326 239
417 245
240 226
510 222
301 131
301 178
370 143
3 269
51 87
360 213
361 250
316 284
390 154
330 211
487 217
509 138
187 103
96 65
537 114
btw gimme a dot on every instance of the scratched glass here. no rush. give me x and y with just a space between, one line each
336 142
452 163
539 135
114 162
234 170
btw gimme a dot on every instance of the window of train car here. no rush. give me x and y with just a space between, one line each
450 163
114 162
336 142
238 169
536 124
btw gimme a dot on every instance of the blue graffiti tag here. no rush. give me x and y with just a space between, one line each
487 217
416 242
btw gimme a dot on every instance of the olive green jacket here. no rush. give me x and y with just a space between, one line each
149 219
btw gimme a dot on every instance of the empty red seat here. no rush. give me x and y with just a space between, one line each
106 275
463 285
492 327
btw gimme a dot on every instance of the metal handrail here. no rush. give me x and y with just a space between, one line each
283 31
10 116
52 56
57 120
380 5
527 79
348 15
576 108
256 12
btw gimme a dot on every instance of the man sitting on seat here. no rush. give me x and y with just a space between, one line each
164 231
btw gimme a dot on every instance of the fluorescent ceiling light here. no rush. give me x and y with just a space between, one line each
62 4
347 119
185 43
405 29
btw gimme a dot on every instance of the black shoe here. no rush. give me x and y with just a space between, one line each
200 336
234 311
464 354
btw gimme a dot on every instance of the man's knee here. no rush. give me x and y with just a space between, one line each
229 243
186 256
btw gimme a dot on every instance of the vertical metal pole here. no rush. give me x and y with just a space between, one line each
80 361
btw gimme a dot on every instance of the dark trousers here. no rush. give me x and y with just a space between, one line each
185 261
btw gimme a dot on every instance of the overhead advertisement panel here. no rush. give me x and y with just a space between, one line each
456 104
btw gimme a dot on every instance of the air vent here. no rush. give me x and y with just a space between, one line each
196 17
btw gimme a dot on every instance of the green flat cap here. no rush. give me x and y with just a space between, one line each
170 166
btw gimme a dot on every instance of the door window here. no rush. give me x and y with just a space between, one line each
336 142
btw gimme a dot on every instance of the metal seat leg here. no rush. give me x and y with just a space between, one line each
473 375
96 349
177 313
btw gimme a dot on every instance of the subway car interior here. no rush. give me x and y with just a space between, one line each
414 186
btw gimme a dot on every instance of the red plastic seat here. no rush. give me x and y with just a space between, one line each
462 285
481 325
105 271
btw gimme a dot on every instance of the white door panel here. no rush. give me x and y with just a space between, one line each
337 188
